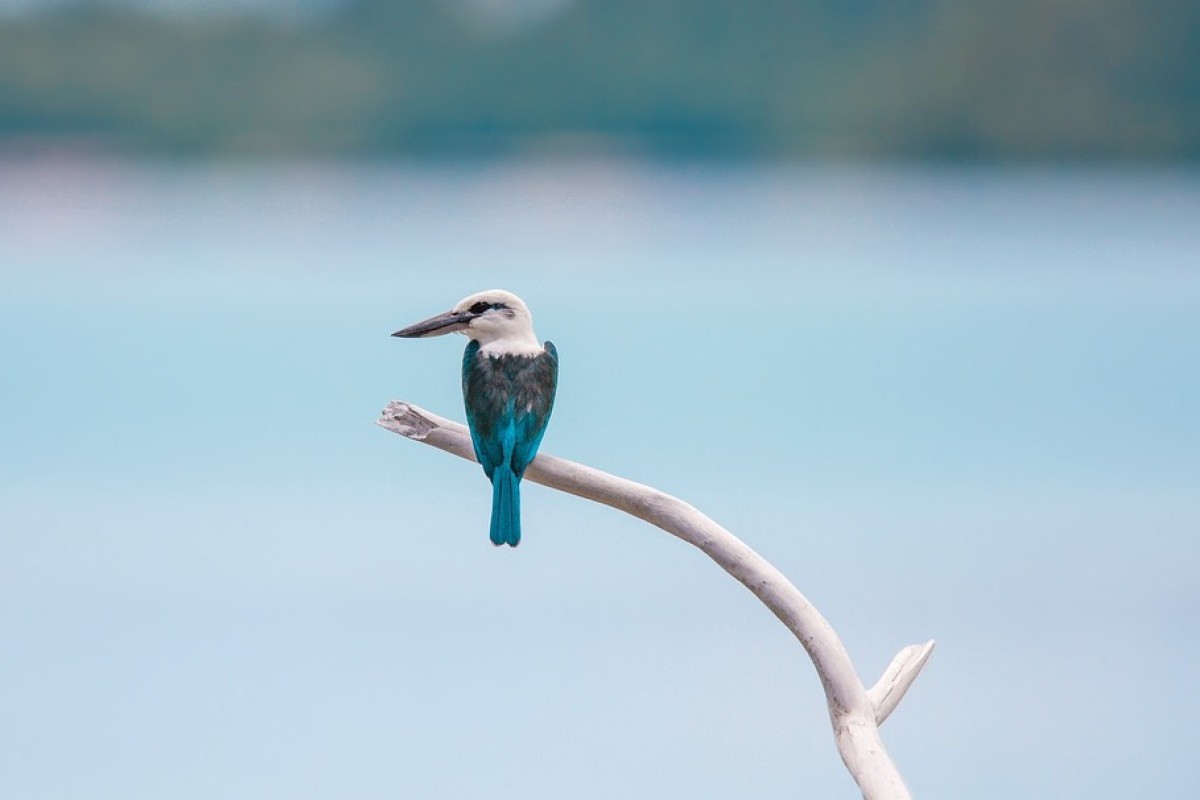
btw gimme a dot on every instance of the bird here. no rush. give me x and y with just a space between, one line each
508 383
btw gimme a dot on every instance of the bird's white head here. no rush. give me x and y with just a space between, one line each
498 320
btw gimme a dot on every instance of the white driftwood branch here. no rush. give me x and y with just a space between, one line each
855 712
900 674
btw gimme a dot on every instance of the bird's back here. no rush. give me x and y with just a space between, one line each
508 399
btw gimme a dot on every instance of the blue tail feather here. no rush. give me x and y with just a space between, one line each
506 507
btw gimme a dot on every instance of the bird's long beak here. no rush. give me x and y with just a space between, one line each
448 322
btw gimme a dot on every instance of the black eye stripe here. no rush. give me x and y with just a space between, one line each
482 306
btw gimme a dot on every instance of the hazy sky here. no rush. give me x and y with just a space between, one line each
951 405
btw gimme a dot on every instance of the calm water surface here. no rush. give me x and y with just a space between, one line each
961 405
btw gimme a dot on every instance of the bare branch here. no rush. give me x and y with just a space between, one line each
854 713
900 674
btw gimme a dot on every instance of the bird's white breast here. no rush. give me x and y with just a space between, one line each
510 347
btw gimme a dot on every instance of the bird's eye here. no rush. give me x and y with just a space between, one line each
480 307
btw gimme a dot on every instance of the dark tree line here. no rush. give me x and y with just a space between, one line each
907 78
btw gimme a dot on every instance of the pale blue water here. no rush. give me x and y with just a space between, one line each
953 404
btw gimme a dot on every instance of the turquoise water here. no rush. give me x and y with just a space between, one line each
961 405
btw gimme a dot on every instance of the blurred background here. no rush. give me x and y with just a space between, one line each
452 78
905 294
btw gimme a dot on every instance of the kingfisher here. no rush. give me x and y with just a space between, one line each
508 383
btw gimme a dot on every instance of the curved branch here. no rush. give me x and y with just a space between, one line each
854 712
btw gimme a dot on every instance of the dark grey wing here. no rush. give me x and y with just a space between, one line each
533 402
483 407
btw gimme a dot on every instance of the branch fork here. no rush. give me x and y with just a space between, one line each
855 711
